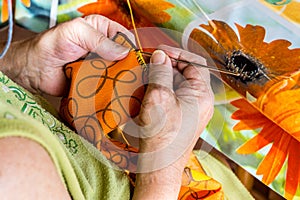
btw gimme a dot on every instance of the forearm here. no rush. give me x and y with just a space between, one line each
159 185
16 63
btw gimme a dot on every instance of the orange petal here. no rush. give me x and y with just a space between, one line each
251 37
154 10
101 7
240 103
277 56
265 137
26 3
244 105
250 124
274 160
4 14
293 170
200 39
246 113
224 34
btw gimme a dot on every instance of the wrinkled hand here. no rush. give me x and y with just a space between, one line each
49 51
177 106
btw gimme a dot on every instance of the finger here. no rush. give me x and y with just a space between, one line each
161 70
180 54
195 83
178 78
108 27
189 71
90 39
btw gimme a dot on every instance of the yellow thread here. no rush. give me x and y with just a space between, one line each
141 60
124 138
133 24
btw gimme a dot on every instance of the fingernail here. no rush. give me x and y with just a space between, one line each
158 57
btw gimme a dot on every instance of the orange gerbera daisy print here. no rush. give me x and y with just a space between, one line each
281 102
246 54
269 71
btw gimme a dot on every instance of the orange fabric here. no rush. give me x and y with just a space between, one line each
103 95
197 185
103 92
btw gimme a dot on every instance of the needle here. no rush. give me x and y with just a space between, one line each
196 64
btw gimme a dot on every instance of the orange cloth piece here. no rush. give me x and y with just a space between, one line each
104 95
197 185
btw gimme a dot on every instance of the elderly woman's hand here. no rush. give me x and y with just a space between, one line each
176 108
37 63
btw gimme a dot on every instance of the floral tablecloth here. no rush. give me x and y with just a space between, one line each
256 120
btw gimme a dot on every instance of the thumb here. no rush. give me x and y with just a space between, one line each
161 70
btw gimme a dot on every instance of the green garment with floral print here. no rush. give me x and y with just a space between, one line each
82 168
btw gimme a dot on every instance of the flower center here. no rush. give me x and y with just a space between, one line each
248 67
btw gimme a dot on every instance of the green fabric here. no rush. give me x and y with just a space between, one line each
232 186
83 169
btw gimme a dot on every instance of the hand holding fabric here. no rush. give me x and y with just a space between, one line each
37 63
177 106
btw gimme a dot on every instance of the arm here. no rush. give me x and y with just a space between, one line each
15 60
176 108
23 176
